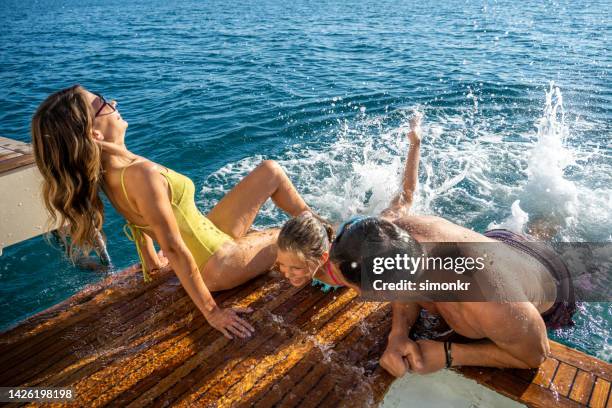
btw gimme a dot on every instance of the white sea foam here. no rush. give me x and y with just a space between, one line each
552 193
469 174
516 222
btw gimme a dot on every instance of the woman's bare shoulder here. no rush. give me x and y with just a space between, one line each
143 178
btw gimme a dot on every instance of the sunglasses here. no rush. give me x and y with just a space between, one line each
105 103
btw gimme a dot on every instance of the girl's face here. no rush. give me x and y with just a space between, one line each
295 268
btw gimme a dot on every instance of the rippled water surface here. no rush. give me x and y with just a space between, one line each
211 88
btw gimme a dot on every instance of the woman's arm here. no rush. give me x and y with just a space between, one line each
152 258
152 201
401 203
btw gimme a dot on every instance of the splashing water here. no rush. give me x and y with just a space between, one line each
547 196
469 174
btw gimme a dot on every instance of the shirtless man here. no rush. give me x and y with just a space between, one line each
506 334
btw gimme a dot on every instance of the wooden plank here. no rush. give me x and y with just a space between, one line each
535 397
112 299
600 394
109 320
564 378
310 349
512 387
301 367
14 154
8 155
46 319
213 357
118 377
167 392
277 361
16 162
577 359
15 145
546 372
582 387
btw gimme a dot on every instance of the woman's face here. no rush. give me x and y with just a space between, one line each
108 121
295 268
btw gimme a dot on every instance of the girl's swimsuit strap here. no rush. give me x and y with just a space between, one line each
331 274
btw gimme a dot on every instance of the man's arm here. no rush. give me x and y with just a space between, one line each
404 316
515 338
489 354
520 341
402 354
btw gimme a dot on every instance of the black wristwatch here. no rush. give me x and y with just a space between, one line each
447 352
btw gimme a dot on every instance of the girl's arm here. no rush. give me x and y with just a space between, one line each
401 203
152 201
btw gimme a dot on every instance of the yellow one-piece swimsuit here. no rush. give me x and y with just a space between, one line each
201 236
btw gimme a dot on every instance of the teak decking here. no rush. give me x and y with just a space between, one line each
14 154
126 343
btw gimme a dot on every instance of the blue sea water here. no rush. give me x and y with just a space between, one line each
210 88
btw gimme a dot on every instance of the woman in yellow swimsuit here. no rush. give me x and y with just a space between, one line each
78 141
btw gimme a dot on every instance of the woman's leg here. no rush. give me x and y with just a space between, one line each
239 261
235 213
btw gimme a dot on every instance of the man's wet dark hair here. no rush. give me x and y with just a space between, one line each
360 241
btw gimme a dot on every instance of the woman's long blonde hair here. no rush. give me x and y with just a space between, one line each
69 161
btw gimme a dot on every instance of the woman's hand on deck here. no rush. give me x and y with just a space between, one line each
163 261
228 322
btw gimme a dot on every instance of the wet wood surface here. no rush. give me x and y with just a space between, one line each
126 343
14 154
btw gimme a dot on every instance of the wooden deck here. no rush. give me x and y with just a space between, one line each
126 343
14 154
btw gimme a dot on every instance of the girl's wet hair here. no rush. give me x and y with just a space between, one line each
307 234
367 238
